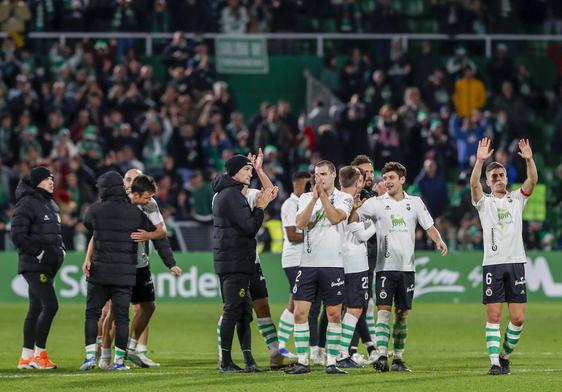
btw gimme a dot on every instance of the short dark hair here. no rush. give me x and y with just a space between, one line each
395 167
301 174
326 163
349 175
361 159
143 183
494 165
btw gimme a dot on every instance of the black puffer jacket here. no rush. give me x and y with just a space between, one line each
36 228
114 262
234 228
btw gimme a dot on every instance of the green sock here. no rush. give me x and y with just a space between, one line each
511 338
399 334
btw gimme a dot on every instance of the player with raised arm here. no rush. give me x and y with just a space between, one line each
503 273
396 215
322 213
356 265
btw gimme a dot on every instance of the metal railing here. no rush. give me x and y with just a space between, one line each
319 38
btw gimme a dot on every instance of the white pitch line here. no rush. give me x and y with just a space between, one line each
144 374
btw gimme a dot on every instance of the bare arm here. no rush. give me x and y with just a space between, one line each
293 235
434 234
483 153
333 214
257 162
532 175
304 217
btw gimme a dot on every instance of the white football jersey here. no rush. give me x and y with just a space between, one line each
153 213
396 229
502 227
251 195
292 252
322 240
354 248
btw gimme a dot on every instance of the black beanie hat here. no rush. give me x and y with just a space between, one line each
234 164
39 174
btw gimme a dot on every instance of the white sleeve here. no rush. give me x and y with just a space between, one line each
359 231
289 214
345 204
520 196
252 196
153 212
303 202
424 217
368 209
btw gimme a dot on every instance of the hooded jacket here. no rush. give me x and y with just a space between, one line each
112 221
36 230
235 227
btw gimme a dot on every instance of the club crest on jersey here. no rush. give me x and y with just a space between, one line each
489 292
294 289
382 294
43 278
408 206
242 292
397 220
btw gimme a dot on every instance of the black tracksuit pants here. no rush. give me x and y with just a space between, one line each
96 298
43 306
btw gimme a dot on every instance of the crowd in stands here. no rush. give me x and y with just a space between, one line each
95 106
258 16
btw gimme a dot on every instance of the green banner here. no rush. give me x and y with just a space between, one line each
455 278
241 55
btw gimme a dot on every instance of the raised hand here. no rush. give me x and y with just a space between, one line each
525 149
357 201
484 151
258 161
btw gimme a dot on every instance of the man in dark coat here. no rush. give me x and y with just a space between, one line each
235 227
112 270
36 232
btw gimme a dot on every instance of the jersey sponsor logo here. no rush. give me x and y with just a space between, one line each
503 214
338 282
339 293
410 289
520 281
46 218
58 218
387 208
397 220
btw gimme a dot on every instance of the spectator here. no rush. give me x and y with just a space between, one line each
437 90
513 106
469 95
14 14
377 93
234 18
426 62
433 187
467 132
259 17
457 65
500 67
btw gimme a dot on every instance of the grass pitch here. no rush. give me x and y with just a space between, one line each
445 349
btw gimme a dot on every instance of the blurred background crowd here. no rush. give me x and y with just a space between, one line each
91 106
